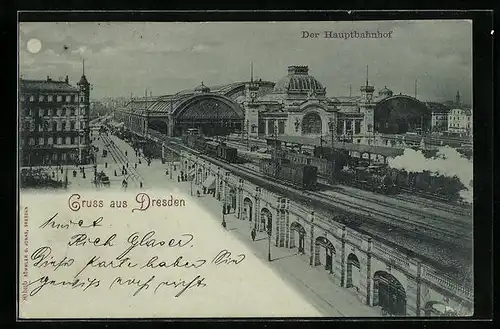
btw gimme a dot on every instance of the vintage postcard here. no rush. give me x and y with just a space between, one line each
245 169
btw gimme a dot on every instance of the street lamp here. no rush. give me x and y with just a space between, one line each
223 215
191 182
248 132
269 231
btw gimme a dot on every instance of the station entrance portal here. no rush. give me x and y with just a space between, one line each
211 115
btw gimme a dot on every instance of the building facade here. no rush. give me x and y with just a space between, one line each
460 118
54 122
439 116
295 105
460 122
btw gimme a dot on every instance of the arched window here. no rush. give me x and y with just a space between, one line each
311 124
63 126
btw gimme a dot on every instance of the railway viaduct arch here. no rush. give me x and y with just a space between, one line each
379 275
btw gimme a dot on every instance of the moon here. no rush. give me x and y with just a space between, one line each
34 46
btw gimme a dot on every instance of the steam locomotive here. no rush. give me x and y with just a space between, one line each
338 167
385 180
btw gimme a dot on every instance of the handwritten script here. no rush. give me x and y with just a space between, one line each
93 255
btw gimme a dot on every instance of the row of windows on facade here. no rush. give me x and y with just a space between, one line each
456 125
50 98
50 141
52 112
54 126
463 118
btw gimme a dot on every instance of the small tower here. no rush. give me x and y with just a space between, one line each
457 98
367 90
366 106
84 91
84 116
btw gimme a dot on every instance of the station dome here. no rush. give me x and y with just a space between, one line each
202 88
298 80
385 92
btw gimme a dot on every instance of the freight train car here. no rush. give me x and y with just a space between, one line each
212 148
299 175
230 154
328 166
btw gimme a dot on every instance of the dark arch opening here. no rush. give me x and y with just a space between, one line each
247 209
159 126
311 124
329 253
353 268
211 115
265 219
389 293
401 114
296 228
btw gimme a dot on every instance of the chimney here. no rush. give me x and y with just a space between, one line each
48 78
67 79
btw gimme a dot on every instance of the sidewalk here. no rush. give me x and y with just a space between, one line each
312 282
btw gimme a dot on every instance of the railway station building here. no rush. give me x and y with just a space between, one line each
295 105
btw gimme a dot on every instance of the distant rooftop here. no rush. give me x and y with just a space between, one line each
47 85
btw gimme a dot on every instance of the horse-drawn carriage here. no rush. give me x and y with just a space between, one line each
101 179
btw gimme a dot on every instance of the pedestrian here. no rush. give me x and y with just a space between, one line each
115 173
198 193
140 161
178 179
127 164
204 190
175 167
228 208
125 153
166 172
84 176
135 165
140 184
253 234
224 224
105 165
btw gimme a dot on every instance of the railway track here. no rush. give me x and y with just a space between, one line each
435 217
434 247
385 217
456 209
120 158
440 233
235 142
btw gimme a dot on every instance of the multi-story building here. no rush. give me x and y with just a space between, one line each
439 116
460 119
54 122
